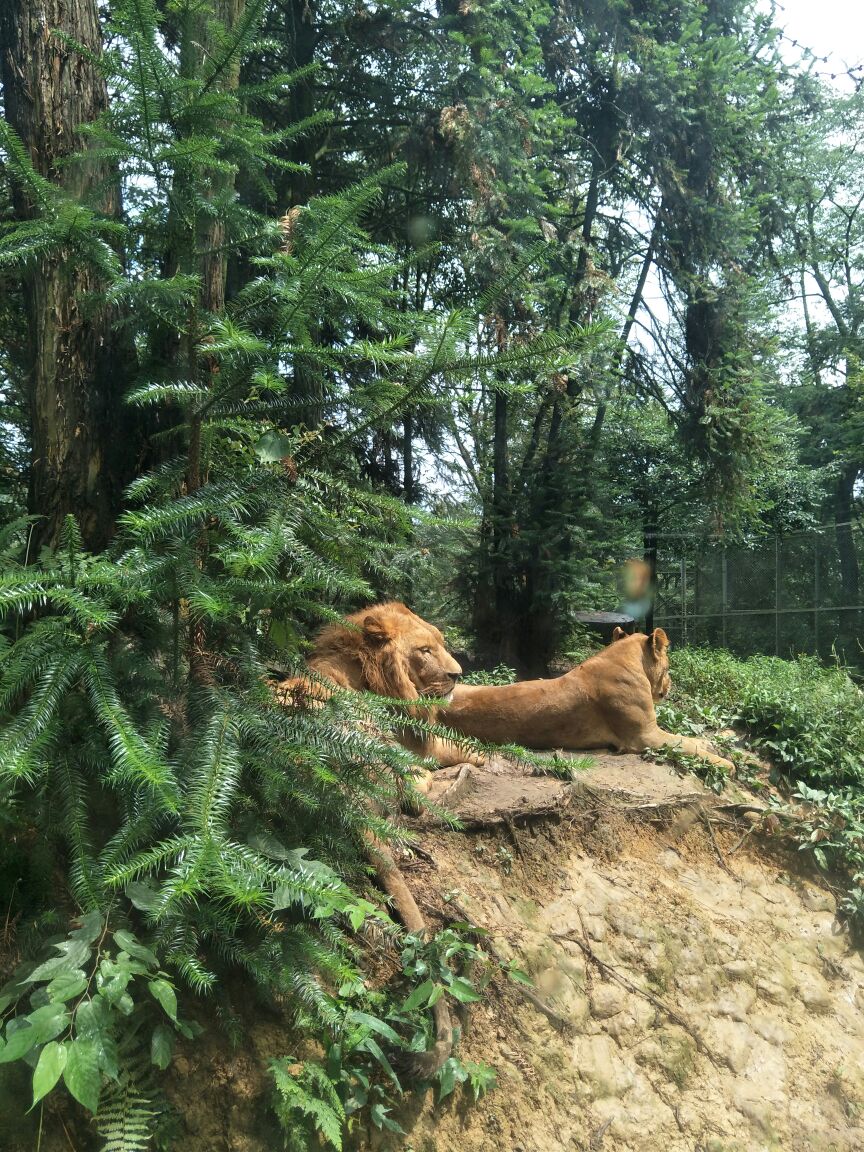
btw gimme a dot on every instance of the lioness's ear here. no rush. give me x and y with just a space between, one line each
618 633
375 630
659 641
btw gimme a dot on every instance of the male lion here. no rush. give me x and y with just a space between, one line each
389 650
605 702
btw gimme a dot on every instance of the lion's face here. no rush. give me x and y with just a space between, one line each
431 668
403 641
409 652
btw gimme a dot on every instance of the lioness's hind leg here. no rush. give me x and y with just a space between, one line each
686 744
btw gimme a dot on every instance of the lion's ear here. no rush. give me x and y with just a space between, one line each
659 641
375 630
618 633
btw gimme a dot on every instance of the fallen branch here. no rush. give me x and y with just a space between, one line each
424 1065
706 820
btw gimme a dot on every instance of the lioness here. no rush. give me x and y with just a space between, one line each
605 702
389 650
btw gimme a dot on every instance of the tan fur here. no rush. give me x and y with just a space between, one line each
605 702
389 650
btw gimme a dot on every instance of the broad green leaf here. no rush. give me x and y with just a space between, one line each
161 1046
15 988
76 953
67 985
125 1004
380 1118
356 917
142 895
191 1029
446 1079
49 1069
166 996
268 845
92 1017
451 1074
81 1073
373 1047
89 927
273 446
128 943
374 1025
419 996
18 1044
437 993
463 991
112 981
26 1032
519 977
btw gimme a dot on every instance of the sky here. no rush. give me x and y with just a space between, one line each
833 28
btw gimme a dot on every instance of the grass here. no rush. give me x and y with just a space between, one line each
809 719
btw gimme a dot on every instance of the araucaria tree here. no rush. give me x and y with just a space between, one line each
201 828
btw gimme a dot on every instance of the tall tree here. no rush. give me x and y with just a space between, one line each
825 269
80 451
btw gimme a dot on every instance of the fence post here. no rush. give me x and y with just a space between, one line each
684 599
816 593
776 595
724 576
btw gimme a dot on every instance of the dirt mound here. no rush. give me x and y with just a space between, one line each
691 991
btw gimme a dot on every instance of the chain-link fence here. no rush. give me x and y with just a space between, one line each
789 594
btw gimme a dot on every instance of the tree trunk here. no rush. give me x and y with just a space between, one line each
81 455
408 493
502 534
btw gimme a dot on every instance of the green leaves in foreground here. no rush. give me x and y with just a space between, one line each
75 1013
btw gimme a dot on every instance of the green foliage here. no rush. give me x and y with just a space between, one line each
500 674
307 1103
809 720
807 717
714 776
562 765
479 1076
367 1056
287 312
139 742
832 830
82 1014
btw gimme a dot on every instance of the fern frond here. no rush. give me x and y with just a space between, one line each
24 742
127 1113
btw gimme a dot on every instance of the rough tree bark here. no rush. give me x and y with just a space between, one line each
80 454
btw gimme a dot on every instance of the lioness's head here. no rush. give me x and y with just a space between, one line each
655 660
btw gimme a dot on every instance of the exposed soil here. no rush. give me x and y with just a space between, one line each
700 993
693 989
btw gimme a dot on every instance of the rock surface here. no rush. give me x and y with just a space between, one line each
712 1000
